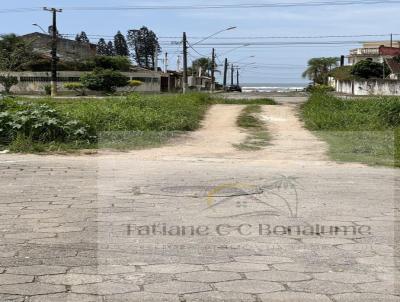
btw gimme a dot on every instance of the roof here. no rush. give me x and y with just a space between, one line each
389 51
394 65
47 36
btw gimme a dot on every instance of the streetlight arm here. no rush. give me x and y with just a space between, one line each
213 35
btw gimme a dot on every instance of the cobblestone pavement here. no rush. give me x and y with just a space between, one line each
120 228
74 229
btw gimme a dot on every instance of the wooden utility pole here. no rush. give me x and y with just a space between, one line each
213 70
54 58
391 40
237 76
185 75
232 71
225 72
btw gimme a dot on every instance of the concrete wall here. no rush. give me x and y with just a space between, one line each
368 87
35 82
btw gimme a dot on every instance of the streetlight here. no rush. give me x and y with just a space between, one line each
217 33
242 59
37 25
233 49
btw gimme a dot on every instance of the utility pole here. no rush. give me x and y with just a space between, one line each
185 75
391 40
232 71
54 58
166 62
237 76
225 72
213 70
155 59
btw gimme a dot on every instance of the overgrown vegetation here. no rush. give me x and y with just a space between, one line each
360 130
131 122
258 136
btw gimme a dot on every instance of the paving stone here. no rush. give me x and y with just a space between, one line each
105 288
263 259
62 229
277 276
142 297
14 279
31 289
249 286
37 270
387 287
321 287
240 267
177 287
293 297
172 268
381 249
71 279
326 241
345 277
302 267
29 236
66 297
215 296
11 298
377 260
104 269
208 276
367 297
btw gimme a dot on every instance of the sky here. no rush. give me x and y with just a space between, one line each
264 64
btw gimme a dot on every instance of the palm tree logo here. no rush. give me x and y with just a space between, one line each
277 198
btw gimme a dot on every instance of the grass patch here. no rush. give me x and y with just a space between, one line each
258 136
122 123
363 130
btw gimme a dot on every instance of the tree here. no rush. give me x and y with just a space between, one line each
367 69
121 47
110 49
82 38
102 47
144 45
106 80
204 63
15 54
115 63
319 68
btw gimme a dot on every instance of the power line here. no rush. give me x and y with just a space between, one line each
215 6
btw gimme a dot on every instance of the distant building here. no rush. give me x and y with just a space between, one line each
66 49
374 51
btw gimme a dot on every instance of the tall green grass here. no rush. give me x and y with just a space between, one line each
362 130
126 122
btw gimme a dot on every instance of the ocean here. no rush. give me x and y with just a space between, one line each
273 87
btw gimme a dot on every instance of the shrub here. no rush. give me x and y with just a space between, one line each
320 88
77 87
367 69
40 123
8 82
106 80
118 63
133 84
47 89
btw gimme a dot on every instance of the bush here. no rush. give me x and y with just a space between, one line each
106 80
8 82
47 89
39 123
320 88
367 69
77 87
118 63
133 84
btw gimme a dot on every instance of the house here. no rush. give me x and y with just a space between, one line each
374 51
394 66
200 82
66 49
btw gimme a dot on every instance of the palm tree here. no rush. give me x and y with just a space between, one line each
204 63
319 68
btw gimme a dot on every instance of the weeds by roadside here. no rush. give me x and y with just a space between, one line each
121 123
258 136
362 130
